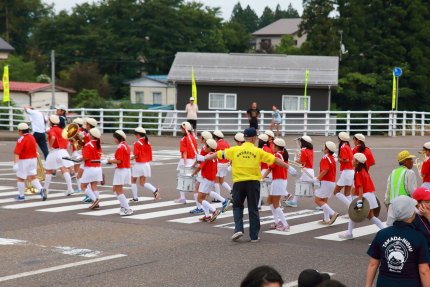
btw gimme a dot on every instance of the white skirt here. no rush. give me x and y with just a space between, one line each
92 174
26 168
222 170
326 189
122 176
77 154
263 171
55 160
279 187
141 169
346 178
370 196
206 186
305 177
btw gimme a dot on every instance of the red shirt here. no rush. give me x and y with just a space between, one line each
345 153
363 179
209 169
26 147
426 170
272 146
203 152
328 163
307 156
277 171
86 136
91 152
122 153
269 150
222 145
369 156
186 145
59 142
142 151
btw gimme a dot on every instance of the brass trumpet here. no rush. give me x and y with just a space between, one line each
70 132
29 188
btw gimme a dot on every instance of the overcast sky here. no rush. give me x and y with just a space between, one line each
226 5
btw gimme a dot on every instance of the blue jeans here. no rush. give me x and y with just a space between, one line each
251 191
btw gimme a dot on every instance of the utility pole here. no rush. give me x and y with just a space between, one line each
53 78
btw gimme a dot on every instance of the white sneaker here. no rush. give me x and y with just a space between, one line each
180 200
346 235
236 236
69 192
122 211
128 212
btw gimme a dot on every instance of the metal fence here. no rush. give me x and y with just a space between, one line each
391 123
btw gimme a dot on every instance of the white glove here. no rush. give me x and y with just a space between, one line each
15 167
229 168
292 170
359 203
200 158
104 161
315 179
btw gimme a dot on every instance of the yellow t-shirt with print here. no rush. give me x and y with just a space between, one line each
245 161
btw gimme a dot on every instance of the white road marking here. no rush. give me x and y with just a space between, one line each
309 226
296 283
29 197
358 232
67 250
10 241
60 267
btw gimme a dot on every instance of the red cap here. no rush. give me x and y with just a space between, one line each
421 193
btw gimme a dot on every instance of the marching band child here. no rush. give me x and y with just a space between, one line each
122 173
92 170
360 147
425 169
307 161
346 179
188 150
271 136
141 169
263 143
363 188
239 138
222 163
327 177
25 161
209 170
77 154
89 123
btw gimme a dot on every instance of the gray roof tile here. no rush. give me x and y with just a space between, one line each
280 27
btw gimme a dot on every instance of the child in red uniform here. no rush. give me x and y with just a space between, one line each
360 147
223 164
25 161
89 123
188 149
77 154
92 170
209 170
346 179
425 169
122 171
142 151
327 177
263 143
271 139
363 188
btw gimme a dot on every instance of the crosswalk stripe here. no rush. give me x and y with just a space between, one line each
304 227
358 232
135 207
4 187
195 219
269 219
30 197
86 205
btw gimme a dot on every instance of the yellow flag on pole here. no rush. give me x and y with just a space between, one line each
6 88
193 86
393 102
305 104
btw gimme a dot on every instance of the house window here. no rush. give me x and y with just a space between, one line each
139 97
295 43
220 101
157 99
295 103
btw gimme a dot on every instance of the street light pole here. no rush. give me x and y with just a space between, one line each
53 78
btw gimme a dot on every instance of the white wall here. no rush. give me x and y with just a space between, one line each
42 100
167 95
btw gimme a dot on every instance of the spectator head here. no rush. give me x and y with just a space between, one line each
403 208
311 278
254 105
405 158
331 283
191 100
262 276
274 108
250 133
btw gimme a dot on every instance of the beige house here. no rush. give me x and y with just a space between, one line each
152 91
37 95
5 49
270 36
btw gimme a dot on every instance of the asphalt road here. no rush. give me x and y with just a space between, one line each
61 242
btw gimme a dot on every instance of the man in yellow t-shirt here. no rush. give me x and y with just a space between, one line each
245 162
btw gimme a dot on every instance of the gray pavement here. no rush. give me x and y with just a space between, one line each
162 251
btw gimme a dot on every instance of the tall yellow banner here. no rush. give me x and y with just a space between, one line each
6 88
393 102
305 101
193 86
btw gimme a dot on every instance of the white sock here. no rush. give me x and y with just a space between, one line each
375 220
351 225
281 216
150 187
36 184
217 188
90 194
21 187
205 209
182 195
349 197
295 199
226 186
328 208
343 198
134 190
78 182
68 180
199 206
216 196
123 201
208 206
96 193
275 214
48 179
89 187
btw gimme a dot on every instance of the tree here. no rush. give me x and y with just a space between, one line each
267 17
247 17
236 40
88 99
20 70
287 46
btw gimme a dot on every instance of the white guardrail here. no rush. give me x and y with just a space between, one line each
326 123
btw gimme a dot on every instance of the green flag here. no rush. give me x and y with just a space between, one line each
305 104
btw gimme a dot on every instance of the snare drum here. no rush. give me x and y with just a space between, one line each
186 171
304 188
265 186
185 183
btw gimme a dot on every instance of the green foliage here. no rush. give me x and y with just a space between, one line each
19 70
287 46
235 37
88 99
247 17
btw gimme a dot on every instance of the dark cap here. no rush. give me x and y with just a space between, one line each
250 132
311 278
